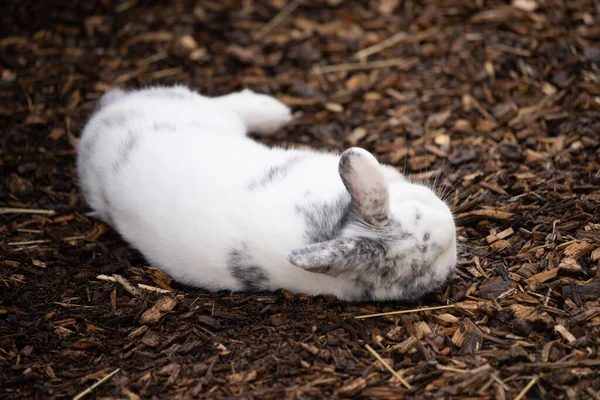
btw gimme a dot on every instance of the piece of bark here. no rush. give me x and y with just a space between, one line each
161 308
492 291
578 250
569 267
583 292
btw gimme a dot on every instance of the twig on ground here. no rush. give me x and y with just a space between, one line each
127 285
527 388
131 289
402 63
26 242
9 210
95 385
106 278
166 72
321 77
386 365
406 311
452 369
69 305
153 289
278 19
395 39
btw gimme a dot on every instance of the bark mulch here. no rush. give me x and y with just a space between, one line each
497 103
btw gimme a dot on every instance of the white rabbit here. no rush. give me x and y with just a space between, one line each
175 173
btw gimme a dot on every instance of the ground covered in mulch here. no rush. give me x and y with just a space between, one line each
497 102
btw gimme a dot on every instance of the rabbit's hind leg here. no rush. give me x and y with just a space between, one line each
262 114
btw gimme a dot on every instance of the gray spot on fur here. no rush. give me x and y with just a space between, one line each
417 215
251 277
426 236
275 173
324 221
416 267
435 250
163 127
124 152
365 289
243 268
114 120
387 272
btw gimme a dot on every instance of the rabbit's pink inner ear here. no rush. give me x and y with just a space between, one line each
364 179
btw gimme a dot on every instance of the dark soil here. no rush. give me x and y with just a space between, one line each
497 102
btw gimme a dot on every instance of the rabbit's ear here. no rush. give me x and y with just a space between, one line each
364 179
337 256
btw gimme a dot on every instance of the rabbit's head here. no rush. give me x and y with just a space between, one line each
399 240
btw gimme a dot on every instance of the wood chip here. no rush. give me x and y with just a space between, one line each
405 345
569 267
500 235
578 250
543 276
565 334
421 329
460 336
161 308
446 319
126 285
352 388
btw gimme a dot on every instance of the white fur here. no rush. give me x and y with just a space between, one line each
170 170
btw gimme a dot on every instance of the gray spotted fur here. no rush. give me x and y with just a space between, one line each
244 269
164 127
367 255
124 152
324 221
275 173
